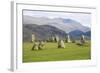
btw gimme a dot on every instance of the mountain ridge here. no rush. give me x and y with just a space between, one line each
66 25
41 32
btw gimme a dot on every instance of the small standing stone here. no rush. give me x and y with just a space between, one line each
41 45
82 39
68 39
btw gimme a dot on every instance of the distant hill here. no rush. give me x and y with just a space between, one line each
44 27
88 33
77 33
41 32
63 24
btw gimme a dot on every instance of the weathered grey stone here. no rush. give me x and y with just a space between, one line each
35 46
41 45
68 39
82 39
33 38
61 44
56 38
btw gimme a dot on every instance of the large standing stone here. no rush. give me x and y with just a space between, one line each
35 46
56 38
33 38
61 44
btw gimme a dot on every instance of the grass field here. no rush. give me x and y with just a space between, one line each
52 53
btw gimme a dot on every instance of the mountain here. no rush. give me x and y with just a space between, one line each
63 24
41 32
88 33
76 33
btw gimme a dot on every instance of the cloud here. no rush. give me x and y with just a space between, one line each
83 18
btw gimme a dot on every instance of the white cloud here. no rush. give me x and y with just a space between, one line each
83 18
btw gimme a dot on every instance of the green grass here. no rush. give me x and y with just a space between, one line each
52 53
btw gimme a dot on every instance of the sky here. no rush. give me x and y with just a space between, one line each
83 18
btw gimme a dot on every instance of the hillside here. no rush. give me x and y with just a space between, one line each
41 32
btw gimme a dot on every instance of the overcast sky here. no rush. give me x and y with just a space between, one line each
83 18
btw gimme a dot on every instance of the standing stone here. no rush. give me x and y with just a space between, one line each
41 45
56 38
68 39
82 39
33 38
35 46
61 44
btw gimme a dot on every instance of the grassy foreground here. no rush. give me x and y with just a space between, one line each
52 53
